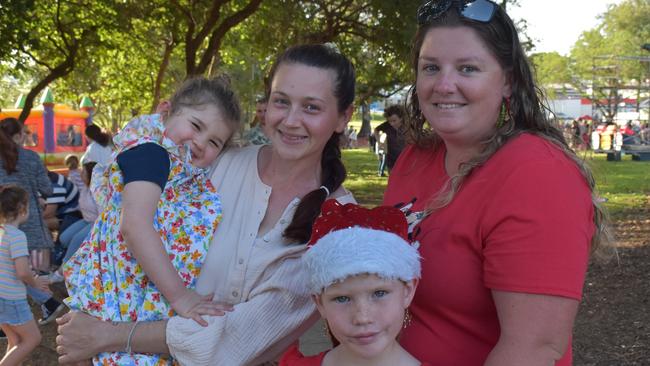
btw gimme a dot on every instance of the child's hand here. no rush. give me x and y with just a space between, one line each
192 305
42 283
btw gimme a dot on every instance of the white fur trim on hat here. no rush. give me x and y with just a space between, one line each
353 251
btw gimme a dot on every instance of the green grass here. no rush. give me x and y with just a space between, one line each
625 184
362 180
355 122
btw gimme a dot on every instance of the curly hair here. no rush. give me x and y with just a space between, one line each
527 112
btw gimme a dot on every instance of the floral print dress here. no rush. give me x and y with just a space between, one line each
103 278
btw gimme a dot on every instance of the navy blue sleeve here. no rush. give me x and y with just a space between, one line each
147 162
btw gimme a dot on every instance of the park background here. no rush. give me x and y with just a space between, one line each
128 55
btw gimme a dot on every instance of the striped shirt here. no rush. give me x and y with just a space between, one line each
65 194
13 244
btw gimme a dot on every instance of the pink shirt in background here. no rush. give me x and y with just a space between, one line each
87 205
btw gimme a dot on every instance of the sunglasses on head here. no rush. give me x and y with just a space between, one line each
477 10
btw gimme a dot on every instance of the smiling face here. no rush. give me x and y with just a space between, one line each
365 313
202 128
460 85
302 112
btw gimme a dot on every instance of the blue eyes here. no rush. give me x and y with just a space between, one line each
310 108
468 69
378 294
341 299
464 69
430 68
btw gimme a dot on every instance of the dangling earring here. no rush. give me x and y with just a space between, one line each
504 114
326 329
407 318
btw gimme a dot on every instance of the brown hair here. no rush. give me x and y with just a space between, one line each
13 201
394 109
96 134
526 111
200 91
72 162
333 171
9 127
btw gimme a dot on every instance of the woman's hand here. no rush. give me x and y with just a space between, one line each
192 305
80 337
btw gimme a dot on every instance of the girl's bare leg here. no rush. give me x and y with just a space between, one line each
28 338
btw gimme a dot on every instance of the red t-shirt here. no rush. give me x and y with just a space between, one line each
293 357
522 222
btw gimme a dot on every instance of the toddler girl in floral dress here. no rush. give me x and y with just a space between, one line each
158 214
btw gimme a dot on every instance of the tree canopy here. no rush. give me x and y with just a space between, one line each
607 60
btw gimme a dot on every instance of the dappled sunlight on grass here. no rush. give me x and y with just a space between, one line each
362 179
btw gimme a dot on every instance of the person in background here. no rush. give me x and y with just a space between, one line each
24 168
394 139
363 274
100 148
16 319
645 133
629 135
72 238
504 212
256 135
272 194
74 175
62 206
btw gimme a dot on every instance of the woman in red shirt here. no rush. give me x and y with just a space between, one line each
503 209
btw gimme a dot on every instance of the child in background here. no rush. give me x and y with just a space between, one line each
72 238
363 274
74 175
16 318
158 211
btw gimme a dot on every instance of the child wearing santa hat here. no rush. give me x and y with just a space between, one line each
363 274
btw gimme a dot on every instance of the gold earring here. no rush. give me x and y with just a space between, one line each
326 329
407 318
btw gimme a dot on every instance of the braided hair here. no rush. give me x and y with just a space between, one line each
333 171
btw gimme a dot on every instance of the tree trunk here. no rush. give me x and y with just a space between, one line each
366 129
169 47
61 70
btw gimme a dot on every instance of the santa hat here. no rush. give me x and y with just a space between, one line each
349 240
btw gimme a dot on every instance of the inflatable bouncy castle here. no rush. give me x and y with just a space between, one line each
54 128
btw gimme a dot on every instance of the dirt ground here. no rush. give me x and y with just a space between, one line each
613 324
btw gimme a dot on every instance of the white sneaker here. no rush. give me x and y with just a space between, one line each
55 277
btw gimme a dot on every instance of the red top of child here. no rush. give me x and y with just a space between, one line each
293 357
